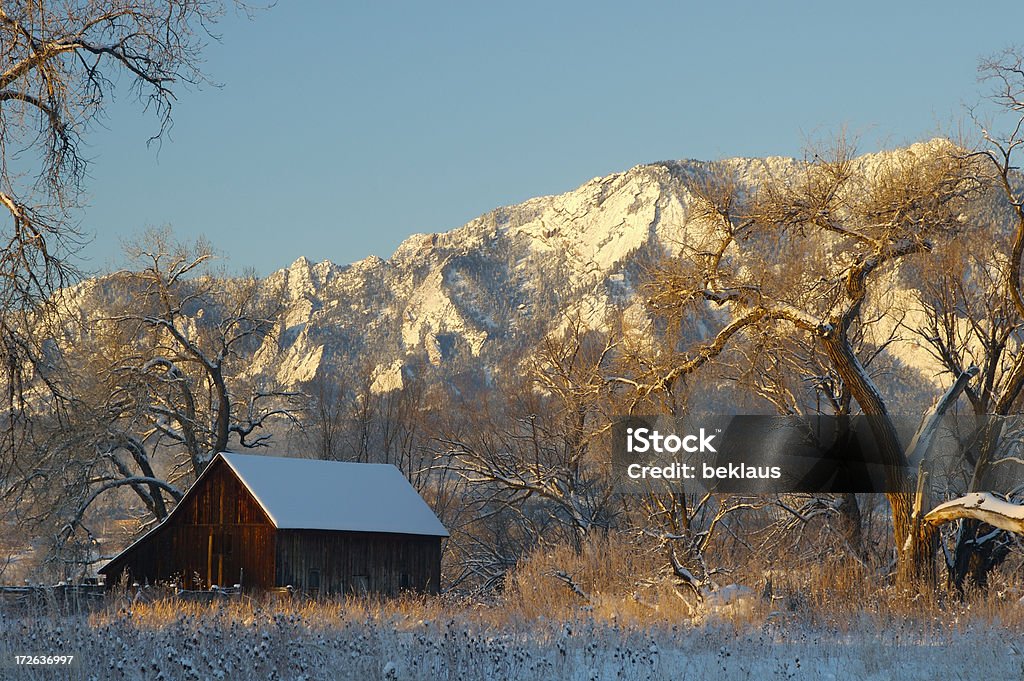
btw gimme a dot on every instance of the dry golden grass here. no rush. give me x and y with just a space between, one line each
625 581
840 598
619 579
627 584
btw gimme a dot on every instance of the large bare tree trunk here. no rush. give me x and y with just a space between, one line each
916 544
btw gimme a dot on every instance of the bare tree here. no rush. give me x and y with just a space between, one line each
801 253
160 380
973 305
59 63
533 458
326 420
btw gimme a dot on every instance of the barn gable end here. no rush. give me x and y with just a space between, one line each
217 534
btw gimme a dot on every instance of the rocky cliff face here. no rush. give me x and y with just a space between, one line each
475 300
489 290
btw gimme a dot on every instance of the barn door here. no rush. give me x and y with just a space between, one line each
218 546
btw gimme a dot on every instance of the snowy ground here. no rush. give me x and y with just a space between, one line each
223 645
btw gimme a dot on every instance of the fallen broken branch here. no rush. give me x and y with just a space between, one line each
981 506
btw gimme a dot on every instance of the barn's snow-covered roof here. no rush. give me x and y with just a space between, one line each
309 494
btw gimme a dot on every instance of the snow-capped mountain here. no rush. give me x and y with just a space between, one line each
459 300
475 300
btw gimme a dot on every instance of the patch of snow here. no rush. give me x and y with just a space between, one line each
300 364
980 506
387 378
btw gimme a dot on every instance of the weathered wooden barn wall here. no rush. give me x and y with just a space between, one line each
358 562
220 533
219 536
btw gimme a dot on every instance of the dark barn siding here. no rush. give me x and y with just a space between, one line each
354 562
220 534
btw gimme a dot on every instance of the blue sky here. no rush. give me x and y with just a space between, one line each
341 128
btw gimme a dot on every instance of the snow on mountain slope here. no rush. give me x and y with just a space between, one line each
491 288
475 300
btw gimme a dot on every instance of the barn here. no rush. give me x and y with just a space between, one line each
323 527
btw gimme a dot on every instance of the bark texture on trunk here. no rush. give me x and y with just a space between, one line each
916 544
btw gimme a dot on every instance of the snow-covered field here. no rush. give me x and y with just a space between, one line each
262 643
